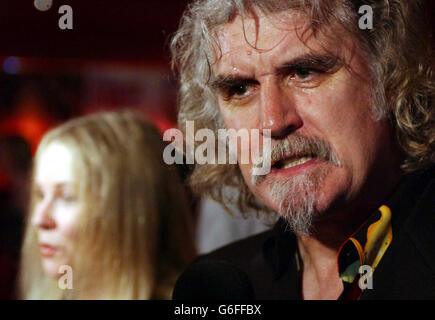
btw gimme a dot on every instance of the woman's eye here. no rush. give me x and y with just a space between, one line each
69 197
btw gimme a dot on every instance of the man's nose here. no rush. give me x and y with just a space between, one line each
43 215
278 111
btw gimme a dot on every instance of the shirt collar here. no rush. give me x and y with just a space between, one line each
367 246
370 242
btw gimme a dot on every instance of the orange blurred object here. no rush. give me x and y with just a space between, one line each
29 121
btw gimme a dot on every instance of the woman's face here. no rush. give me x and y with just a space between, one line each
56 211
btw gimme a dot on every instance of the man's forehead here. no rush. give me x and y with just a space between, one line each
259 34
253 39
256 28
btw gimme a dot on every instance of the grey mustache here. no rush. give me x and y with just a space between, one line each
296 145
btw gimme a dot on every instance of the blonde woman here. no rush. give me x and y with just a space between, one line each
108 218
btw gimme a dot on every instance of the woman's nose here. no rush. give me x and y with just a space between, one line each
43 215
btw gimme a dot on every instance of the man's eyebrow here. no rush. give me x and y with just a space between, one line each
222 82
323 62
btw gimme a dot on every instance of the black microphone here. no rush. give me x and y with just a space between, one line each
213 280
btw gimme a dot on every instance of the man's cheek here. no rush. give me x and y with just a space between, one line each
246 171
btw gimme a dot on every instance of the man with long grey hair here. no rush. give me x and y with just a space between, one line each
348 107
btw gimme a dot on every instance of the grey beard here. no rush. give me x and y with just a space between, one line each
297 200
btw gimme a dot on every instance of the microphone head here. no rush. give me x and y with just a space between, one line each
43 5
213 280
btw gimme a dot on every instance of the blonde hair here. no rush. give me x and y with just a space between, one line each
135 230
398 55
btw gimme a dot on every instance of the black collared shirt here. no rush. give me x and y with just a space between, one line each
397 242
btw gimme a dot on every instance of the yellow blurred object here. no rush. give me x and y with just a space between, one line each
379 237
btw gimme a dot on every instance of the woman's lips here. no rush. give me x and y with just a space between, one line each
47 250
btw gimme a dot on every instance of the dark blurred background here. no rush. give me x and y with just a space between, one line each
116 55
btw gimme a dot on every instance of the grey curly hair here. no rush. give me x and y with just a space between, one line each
401 79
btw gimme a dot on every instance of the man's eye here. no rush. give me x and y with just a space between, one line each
303 73
238 90
306 77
